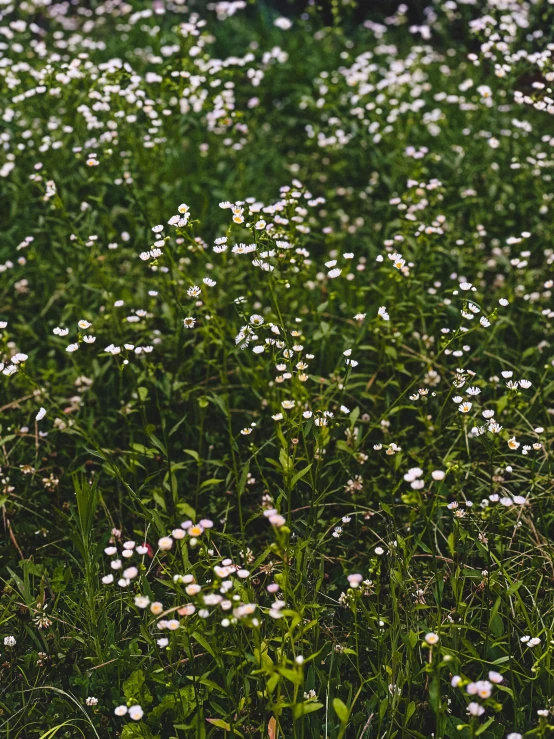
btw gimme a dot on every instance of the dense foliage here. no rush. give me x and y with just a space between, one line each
277 377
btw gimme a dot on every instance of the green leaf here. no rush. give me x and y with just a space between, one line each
135 688
484 726
300 475
286 461
136 731
193 454
303 709
186 510
142 393
220 723
341 710
211 482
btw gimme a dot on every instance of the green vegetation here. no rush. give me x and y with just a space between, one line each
277 375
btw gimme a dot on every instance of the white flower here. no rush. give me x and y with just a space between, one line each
354 580
72 348
107 579
91 701
383 313
84 324
474 709
438 475
465 407
431 638
120 711
525 384
10 641
283 23
334 273
40 415
165 543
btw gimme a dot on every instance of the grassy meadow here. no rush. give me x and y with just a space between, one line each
276 369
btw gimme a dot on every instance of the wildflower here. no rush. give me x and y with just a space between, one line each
283 23
136 713
354 580
91 701
465 407
40 415
513 444
482 688
189 322
474 709
438 475
431 638
10 641
120 710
